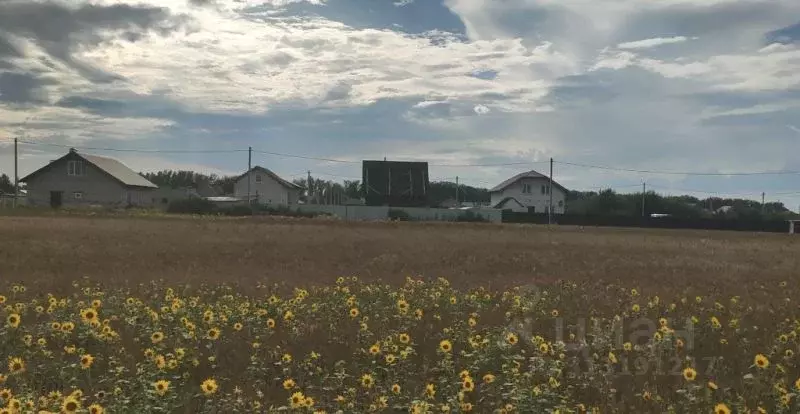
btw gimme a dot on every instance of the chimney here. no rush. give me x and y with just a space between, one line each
72 150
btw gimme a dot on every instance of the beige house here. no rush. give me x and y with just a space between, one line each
266 187
528 192
87 180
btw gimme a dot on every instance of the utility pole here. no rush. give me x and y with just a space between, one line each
762 203
457 203
550 194
249 167
308 188
16 173
644 191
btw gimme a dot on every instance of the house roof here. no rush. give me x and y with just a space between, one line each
281 181
113 168
528 174
506 200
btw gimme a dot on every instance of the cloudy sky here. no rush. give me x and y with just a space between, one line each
707 86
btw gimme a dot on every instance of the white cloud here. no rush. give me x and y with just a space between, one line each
711 113
627 103
615 61
44 123
239 65
653 42
481 109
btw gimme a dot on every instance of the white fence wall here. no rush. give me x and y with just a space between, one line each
382 212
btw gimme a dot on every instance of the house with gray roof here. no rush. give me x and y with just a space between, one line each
88 180
266 187
528 192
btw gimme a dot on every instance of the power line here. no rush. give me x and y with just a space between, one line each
704 191
304 157
675 172
131 149
506 164
334 160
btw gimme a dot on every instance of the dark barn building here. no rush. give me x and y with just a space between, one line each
395 183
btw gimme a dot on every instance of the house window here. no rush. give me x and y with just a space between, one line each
545 189
561 203
78 195
76 168
258 178
526 188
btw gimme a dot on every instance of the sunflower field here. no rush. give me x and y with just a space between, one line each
422 346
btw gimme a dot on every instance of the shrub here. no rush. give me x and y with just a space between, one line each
191 206
471 217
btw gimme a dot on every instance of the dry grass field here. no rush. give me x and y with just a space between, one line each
211 315
54 251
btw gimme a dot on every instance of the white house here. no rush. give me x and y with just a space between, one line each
528 191
266 187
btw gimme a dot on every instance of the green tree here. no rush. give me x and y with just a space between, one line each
6 186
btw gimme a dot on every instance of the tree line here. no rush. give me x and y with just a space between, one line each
319 190
605 202
608 202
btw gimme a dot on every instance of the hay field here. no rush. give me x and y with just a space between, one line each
187 315
54 251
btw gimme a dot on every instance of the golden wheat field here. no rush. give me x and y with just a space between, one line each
190 315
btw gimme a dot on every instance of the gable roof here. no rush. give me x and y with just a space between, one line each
506 200
111 167
279 180
528 174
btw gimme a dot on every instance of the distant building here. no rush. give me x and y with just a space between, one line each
266 187
449 203
528 191
87 180
162 196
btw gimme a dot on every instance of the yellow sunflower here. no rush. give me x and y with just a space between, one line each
445 346
430 390
402 306
86 361
13 320
213 334
288 384
297 400
689 374
209 386
375 349
89 315
157 337
16 366
70 405
512 338
467 385
161 387
367 381
721 409
396 388
96 409
761 361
